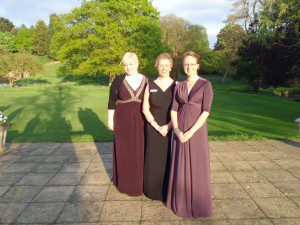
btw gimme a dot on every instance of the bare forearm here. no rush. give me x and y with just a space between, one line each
110 119
151 119
174 119
200 121
110 115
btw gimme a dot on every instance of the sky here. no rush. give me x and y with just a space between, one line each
208 13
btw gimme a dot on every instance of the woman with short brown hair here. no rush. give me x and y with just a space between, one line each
156 107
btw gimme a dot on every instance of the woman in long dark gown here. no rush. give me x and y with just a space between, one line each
189 191
125 118
156 107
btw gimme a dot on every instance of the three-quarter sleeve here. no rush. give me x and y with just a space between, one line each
207 97
175 103
113 94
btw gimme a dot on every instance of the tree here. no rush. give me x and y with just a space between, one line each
52 28
270 54
24 38
18 66
39 42
181 36
7 40
94 37
229 40
5 25
197 39
278 18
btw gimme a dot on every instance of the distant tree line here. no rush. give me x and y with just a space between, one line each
259 42
262 40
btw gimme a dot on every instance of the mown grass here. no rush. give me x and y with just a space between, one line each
46 108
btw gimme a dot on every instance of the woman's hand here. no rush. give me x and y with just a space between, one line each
164 130
188 134
110 124
181 137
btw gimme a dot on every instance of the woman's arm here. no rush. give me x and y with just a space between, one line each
178 132
146 110
199 123
110 119
206 104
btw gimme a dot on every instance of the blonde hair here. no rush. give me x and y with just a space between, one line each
192 54
164 56
130 55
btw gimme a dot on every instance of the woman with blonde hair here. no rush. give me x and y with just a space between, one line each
125 118
156 107
189 191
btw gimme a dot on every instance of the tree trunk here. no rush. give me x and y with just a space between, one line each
224 76
111 78
176 66
11 83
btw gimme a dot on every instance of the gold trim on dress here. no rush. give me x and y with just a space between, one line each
134 98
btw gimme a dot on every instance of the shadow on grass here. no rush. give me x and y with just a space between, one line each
83 80
53 123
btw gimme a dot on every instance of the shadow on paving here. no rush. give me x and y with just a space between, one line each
55 183
253 182
89 125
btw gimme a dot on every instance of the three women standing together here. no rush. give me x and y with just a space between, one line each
172 167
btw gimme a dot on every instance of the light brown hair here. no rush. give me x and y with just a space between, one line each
192 54
164 56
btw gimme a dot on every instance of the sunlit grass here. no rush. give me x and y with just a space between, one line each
46 108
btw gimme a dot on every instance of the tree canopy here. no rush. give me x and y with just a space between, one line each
180 36
5 25
269 55
39 41
93 38
15 67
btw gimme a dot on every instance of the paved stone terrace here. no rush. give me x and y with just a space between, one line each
255 182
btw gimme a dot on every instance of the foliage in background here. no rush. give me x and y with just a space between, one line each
24 38
52 29
7 40
93 38
15 67
181 36
5 25
229 41
270 54
39 41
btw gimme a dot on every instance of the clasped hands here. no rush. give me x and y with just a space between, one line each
184 137
163 130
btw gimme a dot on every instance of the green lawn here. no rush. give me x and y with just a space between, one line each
45 108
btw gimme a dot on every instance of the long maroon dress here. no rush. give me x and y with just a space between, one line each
189 190
128 157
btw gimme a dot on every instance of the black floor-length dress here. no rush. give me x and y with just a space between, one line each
157 151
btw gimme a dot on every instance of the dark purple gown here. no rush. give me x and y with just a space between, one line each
189 190
128 156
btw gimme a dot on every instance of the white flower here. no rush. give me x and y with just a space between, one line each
3 119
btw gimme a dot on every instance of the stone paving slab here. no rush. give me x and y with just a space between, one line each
253 182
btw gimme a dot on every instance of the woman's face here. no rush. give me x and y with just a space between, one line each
190 66
164 68
130 66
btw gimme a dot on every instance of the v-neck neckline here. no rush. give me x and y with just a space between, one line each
187 89
164 91
131 87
